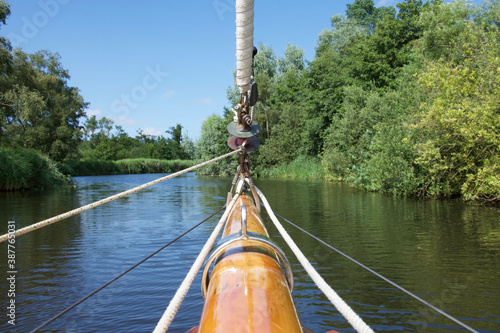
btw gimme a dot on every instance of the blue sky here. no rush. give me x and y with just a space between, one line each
154 64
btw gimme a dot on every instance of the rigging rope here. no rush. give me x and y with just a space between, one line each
122 274
176 301
77 211
356 321
382 277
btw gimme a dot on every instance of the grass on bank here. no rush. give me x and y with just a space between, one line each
303 167
22 168
145 165
92 167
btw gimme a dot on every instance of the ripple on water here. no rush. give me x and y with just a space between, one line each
445 252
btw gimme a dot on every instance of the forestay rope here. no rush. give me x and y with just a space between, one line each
357 323
60 314
382 277
77 211
243 140
176 301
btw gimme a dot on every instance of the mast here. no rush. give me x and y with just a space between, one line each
249 287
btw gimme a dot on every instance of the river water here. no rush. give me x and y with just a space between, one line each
446 252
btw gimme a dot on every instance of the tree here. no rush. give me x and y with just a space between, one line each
5 64
105 126
213 143
366 14
461 122
39 110
175 143
91 125
341 34
293 60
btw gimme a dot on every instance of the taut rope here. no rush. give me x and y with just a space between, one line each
351 316
383 277
77 211
180 294
122 274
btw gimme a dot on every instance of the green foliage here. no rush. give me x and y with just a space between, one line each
4 11
282 146
102 143
266 61
390 165
213 143
366 14
143 165
174 144
341 34
444 30
92 167
88 167
37 107
22 168
303 167
352 130
396 101
461 121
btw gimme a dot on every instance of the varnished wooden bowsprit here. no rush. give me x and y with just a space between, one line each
248 291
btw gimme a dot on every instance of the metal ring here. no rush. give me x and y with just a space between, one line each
251 237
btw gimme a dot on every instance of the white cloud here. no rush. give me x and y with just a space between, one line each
122 120
382 3
91 113
204 101
152 131
169 94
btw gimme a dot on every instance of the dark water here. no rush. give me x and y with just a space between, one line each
447 252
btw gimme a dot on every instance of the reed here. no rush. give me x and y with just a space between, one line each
88 167
22 168
303 167
147 165
91 167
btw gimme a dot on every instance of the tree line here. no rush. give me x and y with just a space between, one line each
400 99
39 110
105 141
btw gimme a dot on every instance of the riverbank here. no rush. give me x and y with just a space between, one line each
22 169
93 167
303 167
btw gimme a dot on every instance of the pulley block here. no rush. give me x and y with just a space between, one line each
252 143
239 131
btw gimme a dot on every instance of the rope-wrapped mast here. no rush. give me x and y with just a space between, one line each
244 44
244 125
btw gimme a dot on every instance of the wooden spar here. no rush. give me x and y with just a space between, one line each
248 291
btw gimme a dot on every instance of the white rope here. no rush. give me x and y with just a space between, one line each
356 322
394 284
76 211
244 43
179 296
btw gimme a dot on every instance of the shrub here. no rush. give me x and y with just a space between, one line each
22 168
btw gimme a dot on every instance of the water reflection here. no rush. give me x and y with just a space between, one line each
444 251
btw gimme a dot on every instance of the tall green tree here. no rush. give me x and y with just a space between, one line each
366 14
175 143
39 109
461 121
213 143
